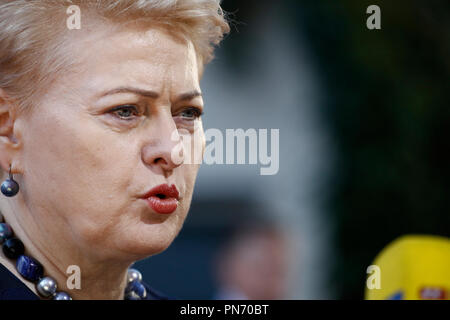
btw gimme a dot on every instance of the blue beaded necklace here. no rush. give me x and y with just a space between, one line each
33 271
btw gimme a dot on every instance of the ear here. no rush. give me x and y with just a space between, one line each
9 144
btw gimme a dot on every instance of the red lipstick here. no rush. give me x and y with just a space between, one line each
163 198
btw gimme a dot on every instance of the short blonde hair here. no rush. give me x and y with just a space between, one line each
31 34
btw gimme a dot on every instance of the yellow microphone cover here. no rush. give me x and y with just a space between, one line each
413 267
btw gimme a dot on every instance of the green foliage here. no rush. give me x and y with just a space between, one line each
388 109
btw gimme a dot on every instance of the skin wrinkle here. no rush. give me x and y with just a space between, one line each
83 172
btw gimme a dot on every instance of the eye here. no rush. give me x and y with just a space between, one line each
125 112
191 113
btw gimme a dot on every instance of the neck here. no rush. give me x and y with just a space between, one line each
80 275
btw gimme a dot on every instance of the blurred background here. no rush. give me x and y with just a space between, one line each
364 120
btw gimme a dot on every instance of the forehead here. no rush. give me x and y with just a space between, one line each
151 59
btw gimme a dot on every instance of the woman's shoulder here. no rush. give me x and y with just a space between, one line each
12 288
153 294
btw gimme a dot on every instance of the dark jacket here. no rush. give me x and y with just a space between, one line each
11 288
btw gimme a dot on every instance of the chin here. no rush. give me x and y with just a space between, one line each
154 240
138 251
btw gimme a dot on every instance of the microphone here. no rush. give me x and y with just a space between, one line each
412 267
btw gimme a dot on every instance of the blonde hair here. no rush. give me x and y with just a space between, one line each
31 34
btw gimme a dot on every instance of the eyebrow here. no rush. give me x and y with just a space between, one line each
151 94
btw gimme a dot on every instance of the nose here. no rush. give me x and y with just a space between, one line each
163 150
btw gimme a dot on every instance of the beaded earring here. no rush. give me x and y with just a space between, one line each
10 187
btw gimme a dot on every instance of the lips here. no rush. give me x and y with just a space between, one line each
163 199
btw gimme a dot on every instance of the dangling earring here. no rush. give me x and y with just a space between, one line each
10 187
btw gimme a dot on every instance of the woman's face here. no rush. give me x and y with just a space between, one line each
104 135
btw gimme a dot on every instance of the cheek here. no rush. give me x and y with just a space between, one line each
77 170
203 145
194 144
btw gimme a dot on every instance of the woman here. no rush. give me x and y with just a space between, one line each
97 123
